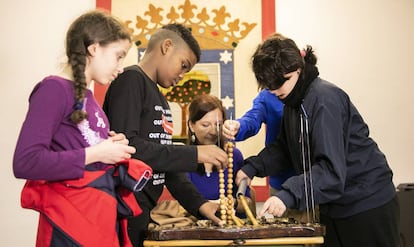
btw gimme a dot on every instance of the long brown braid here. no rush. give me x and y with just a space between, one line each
92 27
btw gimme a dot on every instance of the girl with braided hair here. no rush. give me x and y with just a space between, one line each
65 140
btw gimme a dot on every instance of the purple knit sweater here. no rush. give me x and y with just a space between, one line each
50 146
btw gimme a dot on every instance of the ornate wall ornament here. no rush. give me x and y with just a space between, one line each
214 54
212 29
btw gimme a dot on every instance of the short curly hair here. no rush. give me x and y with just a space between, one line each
176 31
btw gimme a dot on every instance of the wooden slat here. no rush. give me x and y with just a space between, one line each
233 232
248 242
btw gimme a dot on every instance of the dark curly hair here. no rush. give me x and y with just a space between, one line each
278 56
181 32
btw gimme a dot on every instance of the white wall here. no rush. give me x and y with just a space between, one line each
31 45
366 47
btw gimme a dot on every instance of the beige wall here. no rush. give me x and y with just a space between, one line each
31 44
366 47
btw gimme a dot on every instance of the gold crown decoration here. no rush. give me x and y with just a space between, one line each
211 33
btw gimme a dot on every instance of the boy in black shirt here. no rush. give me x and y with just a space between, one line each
136 107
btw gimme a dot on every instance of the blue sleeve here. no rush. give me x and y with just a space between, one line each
251 121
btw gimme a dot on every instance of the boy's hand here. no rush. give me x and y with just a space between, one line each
209 209
273 205
230 129
213 155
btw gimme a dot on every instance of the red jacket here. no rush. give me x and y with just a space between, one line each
88 210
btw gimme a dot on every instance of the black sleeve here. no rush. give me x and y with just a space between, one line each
184 191
124 106
271 160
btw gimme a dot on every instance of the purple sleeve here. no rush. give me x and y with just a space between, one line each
37 155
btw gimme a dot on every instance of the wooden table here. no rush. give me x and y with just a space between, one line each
246 242
267 234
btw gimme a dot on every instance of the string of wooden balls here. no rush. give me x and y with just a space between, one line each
227 211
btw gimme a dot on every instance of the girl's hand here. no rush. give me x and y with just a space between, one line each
118 138
109 151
